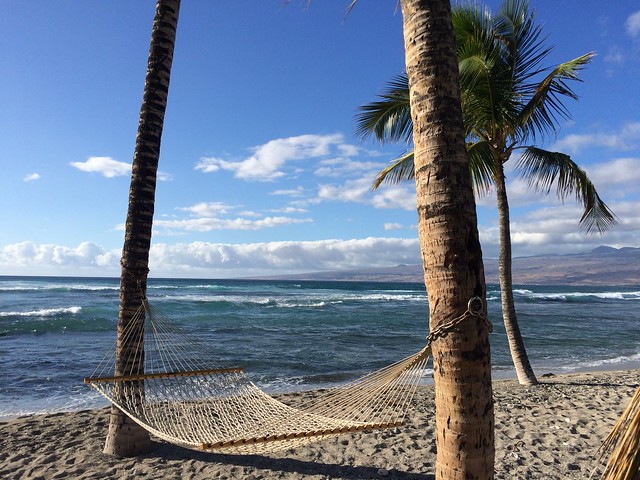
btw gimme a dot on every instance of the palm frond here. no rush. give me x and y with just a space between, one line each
486 84
541 111
543 169
388 119
521 38
481 163
399 170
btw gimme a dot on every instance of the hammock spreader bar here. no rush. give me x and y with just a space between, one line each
148 376
291 436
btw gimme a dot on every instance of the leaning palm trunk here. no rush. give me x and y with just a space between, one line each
516 343
450 247
623 444
125 437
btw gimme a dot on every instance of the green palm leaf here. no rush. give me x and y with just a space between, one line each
539 114
388 119
543 169
400 170
482 167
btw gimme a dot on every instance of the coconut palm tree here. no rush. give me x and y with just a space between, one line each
450 246
509 100
125 437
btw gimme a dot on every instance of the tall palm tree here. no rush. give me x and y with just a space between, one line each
450 246
508 101
125 437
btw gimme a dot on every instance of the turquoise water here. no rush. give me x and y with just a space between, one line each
288 335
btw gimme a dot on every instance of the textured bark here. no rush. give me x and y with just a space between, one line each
525 373
125 437
450 247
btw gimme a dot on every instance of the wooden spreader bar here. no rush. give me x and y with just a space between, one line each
145 376
291 436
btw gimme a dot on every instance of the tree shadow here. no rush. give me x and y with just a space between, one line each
289 465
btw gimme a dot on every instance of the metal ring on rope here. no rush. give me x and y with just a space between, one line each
477 311
475 308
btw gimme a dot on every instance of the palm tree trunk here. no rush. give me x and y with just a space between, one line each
125 437
516 343
450 247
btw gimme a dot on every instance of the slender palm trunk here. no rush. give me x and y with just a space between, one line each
125 437
450 247
516 343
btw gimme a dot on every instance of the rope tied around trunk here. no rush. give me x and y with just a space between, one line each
475 308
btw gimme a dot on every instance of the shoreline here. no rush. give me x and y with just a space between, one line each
498 375
550 431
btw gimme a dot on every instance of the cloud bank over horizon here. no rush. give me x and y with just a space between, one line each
218 260
212 260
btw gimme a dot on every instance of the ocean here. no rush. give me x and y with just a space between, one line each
288 335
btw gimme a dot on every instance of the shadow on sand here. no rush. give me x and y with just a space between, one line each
289 465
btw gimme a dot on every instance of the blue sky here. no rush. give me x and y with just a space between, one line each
260 170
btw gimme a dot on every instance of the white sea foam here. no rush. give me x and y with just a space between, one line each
624 359
580 295
88 399
523 291
304 305
299 300
44 312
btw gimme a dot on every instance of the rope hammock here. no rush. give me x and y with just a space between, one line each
180 398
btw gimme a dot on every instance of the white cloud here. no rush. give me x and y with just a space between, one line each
617 173
208 224
393 226
627 138
250 213
614 56
164 177
29 257
633 24
210 216
548 230
340 167
268 161
211 260
350 191
397 196
209 164
348 150
207 209
290 210
105 166
281 257
359 191
555 230
293 192
32 177
520 194
615 179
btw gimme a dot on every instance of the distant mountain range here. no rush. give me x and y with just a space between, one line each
602 266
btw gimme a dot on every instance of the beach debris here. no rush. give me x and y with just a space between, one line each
623 445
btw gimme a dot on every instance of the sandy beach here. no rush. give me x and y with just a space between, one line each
551 431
